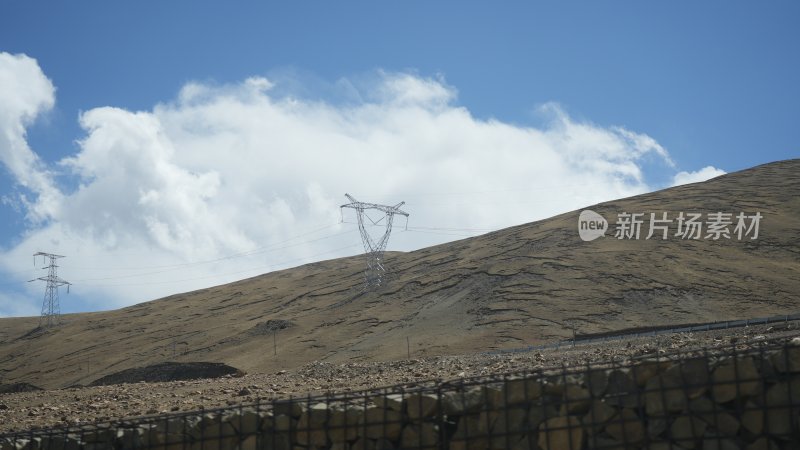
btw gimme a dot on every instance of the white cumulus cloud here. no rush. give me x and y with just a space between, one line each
706 173
25 93
228 181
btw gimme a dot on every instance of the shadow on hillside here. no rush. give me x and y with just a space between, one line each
168 371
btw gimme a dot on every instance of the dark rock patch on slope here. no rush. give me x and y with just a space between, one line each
169 371
269 327
18 387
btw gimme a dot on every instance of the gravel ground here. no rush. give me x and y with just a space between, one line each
74 406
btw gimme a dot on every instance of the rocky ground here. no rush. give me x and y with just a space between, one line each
28 410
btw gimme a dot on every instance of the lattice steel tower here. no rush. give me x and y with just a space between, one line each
51 311
373 250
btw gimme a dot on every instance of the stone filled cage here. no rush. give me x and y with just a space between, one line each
741 396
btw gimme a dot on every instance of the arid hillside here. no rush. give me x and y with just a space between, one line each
514 287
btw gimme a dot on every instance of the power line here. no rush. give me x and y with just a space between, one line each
307 258
422 229
482 230
160 269
251 252
225 258
170 268
444 233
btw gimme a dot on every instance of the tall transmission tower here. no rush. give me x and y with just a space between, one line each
51 311
374 249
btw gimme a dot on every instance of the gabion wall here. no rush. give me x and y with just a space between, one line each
716 399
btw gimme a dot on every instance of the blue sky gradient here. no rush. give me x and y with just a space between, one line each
713 82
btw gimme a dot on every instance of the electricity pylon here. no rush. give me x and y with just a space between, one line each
51 311
373 250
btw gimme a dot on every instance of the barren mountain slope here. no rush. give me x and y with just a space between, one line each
509 288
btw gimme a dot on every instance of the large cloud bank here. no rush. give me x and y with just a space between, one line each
228 181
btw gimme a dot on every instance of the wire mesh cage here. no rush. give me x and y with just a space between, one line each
735 397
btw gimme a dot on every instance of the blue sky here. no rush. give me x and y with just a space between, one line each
709 85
